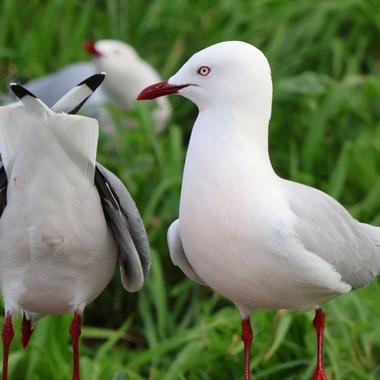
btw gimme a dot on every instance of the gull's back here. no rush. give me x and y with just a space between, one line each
48 264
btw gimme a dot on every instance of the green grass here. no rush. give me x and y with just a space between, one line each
325 131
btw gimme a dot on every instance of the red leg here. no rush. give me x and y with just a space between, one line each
7 335
75 331
319 324
247 337
26 331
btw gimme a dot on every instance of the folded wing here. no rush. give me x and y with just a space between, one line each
326 228
126 226
177 254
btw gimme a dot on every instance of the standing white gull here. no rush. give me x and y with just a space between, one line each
64 218
258 239
127 75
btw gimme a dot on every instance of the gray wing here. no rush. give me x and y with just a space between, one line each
325 228
3 188
126 226
52 87
177 254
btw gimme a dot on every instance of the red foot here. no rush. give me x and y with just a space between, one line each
7 334
26 331
75 331
247 337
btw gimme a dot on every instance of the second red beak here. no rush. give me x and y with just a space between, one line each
159 89
90 47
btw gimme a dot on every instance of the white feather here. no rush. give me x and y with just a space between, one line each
246 232
56 253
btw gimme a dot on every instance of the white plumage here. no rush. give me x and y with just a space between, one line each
259 240
253 226
47 266
65 220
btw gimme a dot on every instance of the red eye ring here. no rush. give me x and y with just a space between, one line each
204 71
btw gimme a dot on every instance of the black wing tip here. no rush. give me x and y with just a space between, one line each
20 91
94 81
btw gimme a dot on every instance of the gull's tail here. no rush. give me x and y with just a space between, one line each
374 233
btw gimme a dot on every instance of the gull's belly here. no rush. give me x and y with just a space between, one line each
56 251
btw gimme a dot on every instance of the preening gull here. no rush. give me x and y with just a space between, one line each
65 220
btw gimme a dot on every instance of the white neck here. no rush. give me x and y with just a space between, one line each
236 133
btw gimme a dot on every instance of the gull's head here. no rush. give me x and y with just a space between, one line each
227 73
111 55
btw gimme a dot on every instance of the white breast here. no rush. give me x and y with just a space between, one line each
236 227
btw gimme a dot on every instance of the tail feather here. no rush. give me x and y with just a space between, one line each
373 232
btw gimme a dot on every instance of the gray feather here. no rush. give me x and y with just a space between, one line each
325 228
52 87
125 222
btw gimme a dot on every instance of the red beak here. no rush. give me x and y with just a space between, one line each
90 47
159 89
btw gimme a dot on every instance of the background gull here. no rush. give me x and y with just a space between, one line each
127 75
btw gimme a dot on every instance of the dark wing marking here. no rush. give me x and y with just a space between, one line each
20 91
126 226
50 88
3 188
28 99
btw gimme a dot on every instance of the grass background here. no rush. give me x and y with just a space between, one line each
325 131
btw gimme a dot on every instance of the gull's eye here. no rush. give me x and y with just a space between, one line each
204 70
